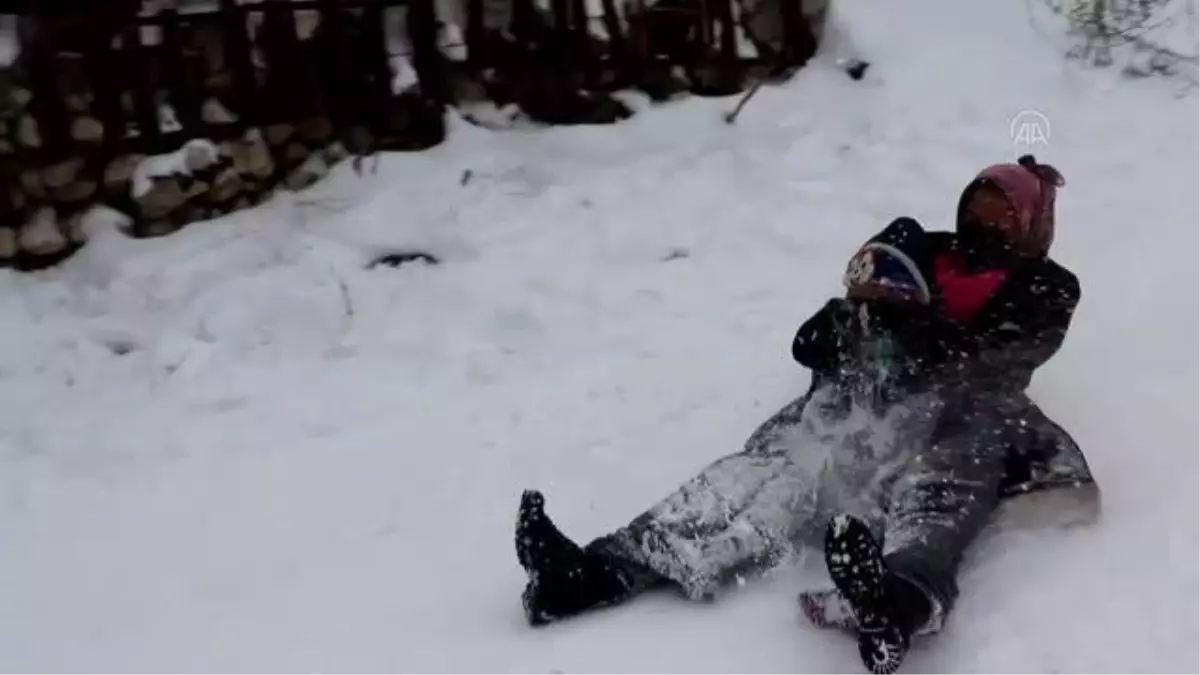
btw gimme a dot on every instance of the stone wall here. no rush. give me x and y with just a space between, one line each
45 191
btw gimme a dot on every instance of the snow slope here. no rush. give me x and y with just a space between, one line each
233 448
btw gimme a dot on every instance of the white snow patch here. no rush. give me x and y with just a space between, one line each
195 155
41 235
168 120
404 76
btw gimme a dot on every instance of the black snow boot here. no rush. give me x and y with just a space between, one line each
564 579
887 609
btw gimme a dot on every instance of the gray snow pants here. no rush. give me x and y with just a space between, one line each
995 449
940 504
927 485
745 513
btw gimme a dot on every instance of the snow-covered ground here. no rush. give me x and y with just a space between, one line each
235 449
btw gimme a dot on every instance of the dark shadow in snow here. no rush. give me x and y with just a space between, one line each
33 262
403 257
120 347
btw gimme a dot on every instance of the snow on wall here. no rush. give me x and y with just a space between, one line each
195 155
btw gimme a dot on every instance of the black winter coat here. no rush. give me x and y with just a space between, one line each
1017 330
985 364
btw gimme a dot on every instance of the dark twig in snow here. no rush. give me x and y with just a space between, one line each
347 303
731 117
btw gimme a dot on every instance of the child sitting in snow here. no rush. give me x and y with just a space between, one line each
916 421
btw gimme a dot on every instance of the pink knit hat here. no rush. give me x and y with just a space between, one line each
1030 188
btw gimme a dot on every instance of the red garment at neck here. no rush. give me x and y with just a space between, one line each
964 292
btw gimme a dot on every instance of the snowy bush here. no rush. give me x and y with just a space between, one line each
1161 34
1113 18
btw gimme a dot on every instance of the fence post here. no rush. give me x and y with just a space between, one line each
704 21
789 15
427 57
379 68
728 30
237 56
523 23
581 45
291 89
141 89
47 105
476 37
617 48
561 53
177 80
337 91
103 69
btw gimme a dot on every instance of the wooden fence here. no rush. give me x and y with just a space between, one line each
285 89
212 59
344 72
